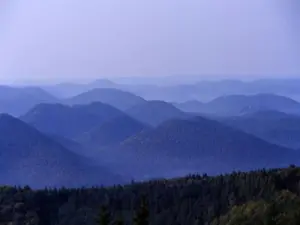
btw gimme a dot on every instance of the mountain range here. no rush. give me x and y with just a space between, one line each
17 101
155 112
120 99
157 138
29 157
69 121
185 90
273 126
182 146
117 136
68 90
234 105
112 132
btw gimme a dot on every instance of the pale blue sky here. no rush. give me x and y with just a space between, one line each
107 38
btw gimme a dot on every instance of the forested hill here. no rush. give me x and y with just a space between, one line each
267 197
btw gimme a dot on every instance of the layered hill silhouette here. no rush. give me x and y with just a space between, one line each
28 157
112 132
69 121
67 90
155 112
275 127
201 145
16 101
209 90
179 92
69 144
120 99
233 105
192 106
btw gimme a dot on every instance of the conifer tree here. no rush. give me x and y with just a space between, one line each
104 216
119 222
142 214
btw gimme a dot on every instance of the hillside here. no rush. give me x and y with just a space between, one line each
179 147
28 157
190 106
274 127
69 144
283 208
17 101
155 112
112 132
120 99
243 104
69 121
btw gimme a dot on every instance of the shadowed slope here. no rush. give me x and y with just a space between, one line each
28 157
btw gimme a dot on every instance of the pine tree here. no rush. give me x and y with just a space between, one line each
104 216
119 222
142 214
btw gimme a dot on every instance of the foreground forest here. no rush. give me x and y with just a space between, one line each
259 197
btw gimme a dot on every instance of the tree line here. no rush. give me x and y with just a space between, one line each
267 197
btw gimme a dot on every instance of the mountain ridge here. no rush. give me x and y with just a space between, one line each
113 131
182 146
69 121
18 100
118 98
29 157
234 105
155 112
275 127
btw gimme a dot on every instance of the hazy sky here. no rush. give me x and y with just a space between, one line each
95 38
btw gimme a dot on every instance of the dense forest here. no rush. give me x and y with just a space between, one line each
259 197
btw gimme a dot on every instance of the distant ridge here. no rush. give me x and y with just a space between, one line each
69 121
184 88
155 112
192 106
18 100
113 132
275 127
122 100
233 105
68 90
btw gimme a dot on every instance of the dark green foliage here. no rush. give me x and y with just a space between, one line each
118 221
245 198
142 214
250 213
282 209
104 217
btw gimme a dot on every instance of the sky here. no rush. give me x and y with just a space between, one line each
72 39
